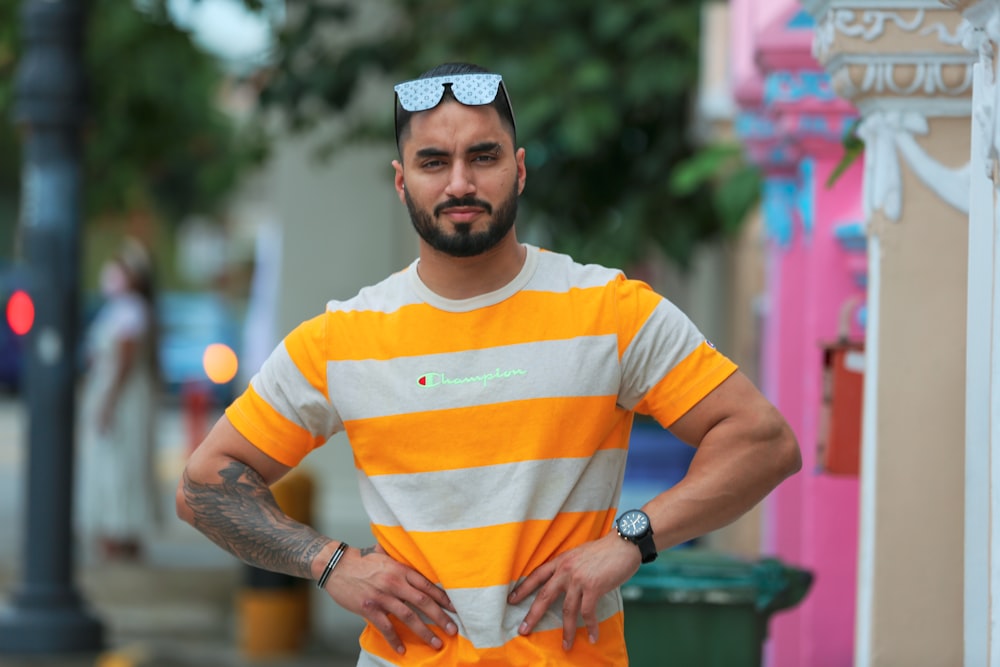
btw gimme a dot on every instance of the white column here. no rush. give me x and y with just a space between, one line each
981 32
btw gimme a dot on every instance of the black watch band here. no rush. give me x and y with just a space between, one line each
647 547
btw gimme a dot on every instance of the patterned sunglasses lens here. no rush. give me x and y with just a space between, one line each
469 89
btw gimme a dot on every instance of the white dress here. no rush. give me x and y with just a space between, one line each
118 493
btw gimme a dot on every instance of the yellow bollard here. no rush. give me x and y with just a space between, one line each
274 614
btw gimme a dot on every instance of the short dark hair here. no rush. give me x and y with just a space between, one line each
501 103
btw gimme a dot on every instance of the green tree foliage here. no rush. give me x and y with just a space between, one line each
155 137
602 93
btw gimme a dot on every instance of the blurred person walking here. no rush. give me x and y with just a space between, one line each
120 396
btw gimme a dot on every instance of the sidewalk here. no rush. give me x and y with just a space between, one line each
183 617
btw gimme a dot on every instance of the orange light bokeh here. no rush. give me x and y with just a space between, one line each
220 363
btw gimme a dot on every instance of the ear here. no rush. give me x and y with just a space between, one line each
398 179
522 173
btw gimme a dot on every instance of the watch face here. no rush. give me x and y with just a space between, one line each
633 523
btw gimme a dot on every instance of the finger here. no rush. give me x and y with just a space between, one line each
531 583
411 619
374 613
571 609
432 601
589 612
546 596
428 588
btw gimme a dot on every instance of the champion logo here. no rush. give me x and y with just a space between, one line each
437 379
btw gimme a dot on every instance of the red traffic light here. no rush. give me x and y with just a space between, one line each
20 312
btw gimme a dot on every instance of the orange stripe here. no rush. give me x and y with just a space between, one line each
268 430
306 346
636 302
687 383
539 648
478 436
530 544
519 319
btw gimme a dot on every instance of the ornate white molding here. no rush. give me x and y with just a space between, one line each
942 82
981 33
870 25
889 135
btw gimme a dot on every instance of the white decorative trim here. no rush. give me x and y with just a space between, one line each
943 35
984 115
818 8
932 107
981 32
889 134
923 73
871 25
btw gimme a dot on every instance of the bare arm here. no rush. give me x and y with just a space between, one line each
224 492
745 449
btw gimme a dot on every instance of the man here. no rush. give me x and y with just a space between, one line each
487 393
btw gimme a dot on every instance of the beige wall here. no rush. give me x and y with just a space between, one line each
916 610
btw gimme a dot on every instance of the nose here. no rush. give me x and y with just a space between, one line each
460 181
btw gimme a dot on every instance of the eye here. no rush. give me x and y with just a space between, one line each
485 158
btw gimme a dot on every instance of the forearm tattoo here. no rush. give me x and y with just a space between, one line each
367 551
239 514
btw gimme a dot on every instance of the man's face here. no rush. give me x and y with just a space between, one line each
460 178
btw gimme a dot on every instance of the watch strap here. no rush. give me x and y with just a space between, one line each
647 547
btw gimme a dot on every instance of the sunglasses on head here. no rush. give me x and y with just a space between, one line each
469 89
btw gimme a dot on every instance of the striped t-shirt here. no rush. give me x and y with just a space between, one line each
489 434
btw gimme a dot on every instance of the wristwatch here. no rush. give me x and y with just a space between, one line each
633 526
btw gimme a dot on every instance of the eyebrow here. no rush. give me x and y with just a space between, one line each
482 147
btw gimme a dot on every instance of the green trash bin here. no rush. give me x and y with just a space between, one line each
697 608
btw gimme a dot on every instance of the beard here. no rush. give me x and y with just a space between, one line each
464 242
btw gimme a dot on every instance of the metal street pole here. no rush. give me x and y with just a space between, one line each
46 613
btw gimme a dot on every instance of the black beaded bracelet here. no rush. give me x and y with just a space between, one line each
334 559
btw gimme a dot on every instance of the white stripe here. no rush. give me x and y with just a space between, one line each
583 366
559 273
468 498
387 296
666 338
280 383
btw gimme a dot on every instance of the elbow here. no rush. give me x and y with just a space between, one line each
788 455
184 512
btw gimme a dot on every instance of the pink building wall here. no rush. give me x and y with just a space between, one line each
792 123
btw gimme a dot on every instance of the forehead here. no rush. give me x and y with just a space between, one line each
452 126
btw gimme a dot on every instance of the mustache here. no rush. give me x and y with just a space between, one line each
463 201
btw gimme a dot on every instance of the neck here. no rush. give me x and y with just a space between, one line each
468 277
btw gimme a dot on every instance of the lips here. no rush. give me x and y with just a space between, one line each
465 206
462 214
